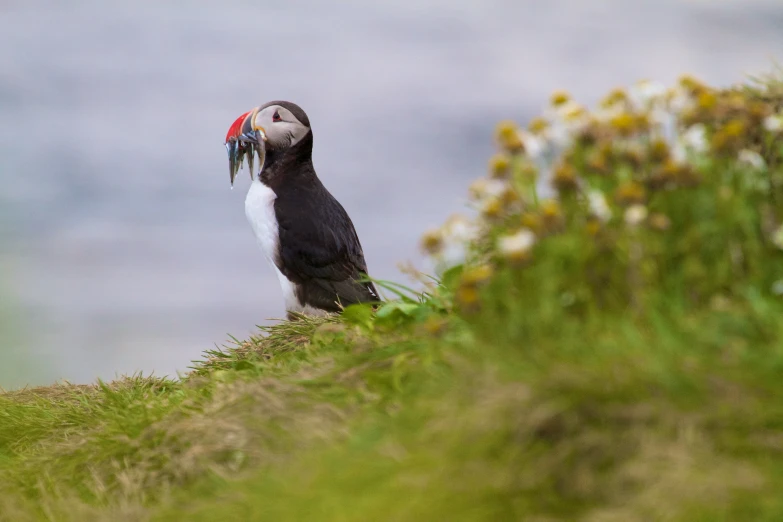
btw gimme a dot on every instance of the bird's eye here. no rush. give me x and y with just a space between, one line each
276 116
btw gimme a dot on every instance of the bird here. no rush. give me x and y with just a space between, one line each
303 231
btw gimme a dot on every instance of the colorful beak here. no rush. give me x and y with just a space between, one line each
245 140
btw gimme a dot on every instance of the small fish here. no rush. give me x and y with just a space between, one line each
250 159
261 152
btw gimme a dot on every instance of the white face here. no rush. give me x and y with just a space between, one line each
281 128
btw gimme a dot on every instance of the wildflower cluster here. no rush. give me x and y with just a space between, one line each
646 162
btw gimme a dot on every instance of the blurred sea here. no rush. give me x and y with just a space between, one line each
123 247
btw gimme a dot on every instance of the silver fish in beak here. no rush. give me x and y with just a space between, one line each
245 140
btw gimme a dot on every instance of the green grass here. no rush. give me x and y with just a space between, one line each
617 420
623 373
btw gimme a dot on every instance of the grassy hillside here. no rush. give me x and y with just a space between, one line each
612 350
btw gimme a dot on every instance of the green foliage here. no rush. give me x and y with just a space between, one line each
571 366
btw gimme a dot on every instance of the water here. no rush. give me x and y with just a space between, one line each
128 251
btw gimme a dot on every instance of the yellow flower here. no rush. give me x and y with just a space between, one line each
659 150
720 142
559 98
758 111
630 193
551 215
591 132
513 144
528 172
624 123
531 221
492 208
435 325
467 296
729 136
659 221
664 175
707 100
432 241
687 175
507 135
615 97
564 178
498 165
509 196
538 125
642 122
593 225
692 85
634 154
550 209
505 130
476 275
598 161
735 102
735 128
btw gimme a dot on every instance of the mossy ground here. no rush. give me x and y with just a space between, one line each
615 374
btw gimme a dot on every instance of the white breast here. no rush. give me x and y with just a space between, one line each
260 212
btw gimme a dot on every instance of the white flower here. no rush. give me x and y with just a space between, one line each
571 114
484 188
751 158
646 93
455 236
598 206
635 214
664 125
543 150
452 254
565 121
695 138
604 114
774 123
516 245
678 153
459 228
777 237
679 100
561 136
535 146
544 187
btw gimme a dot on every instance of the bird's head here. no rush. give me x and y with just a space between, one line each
270 132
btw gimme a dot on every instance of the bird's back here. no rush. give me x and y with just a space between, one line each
319 249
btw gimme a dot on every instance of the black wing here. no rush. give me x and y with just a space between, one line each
320 250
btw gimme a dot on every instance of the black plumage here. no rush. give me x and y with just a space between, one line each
318 250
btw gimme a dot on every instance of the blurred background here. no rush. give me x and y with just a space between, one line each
123 248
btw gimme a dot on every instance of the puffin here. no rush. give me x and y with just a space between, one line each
303 231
